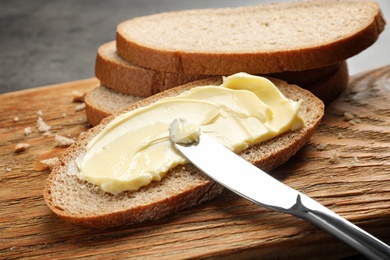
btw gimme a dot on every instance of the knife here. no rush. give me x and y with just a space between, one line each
250 182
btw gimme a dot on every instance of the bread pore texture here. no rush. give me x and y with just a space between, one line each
182 187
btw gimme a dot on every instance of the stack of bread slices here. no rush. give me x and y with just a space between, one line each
305 43
298 43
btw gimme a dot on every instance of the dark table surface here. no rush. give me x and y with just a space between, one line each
44 42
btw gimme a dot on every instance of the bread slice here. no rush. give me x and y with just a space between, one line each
117 74
329 88
102 102
124 77
184 186
262 39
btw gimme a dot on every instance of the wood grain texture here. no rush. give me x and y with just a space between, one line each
357 187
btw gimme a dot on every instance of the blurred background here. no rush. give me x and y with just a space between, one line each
45 42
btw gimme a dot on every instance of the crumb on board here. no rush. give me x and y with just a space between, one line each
42 126
80 107
354 162
46 134
16 119
20 147
78 96
348 116
334 156
351 118
40 113
321 147
50 162
62 141
27 131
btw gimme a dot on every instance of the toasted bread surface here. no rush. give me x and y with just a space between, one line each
262 39
184 186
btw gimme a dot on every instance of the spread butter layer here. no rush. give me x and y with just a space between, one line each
135 148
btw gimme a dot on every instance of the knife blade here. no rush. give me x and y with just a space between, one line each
250 182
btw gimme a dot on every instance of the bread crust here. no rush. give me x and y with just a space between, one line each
329 88
102 102
254 59
183 187
124 77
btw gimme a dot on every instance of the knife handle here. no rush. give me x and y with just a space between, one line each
310 210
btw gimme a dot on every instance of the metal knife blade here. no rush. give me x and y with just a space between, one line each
248 181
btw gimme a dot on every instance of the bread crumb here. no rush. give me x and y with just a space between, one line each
354 162
16 119
20 147
42 126
39 113
351 118
8 169
348 116
80 107
51 162
27 131
46 134
340 136
63 114
78 96
62 141
334 156
321 147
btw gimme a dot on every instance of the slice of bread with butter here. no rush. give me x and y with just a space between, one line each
76 198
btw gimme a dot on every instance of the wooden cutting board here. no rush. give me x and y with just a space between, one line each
345 166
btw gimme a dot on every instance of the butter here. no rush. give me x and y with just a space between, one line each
135 148
184 132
